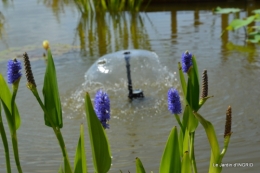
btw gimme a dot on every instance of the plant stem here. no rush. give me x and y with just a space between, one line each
192 155
55 129
14 135
4 139
179 122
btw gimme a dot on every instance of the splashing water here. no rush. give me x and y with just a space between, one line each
109 73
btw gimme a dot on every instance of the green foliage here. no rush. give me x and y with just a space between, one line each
256 11
186 163
238 23
219 10
252 33
5 96
80 161
211 134
139 166
193 88
51 94
170 161
5 142
98 139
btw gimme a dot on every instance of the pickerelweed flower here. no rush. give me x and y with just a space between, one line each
174 103
186 61
13 70
102 107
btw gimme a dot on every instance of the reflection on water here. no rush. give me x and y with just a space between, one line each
100 30
135 130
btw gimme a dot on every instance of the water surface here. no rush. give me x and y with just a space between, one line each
78 40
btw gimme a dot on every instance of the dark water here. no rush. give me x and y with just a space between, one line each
78 40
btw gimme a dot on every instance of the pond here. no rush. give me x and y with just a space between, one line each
78 40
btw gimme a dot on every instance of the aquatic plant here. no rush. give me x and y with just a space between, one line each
179 154
174 103
102 108
179 151
252 32
12 115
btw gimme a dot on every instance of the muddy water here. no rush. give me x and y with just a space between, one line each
78 40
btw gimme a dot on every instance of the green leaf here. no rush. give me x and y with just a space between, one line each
80 161
61 169
67 168
185 118
222 154
186 163
254 38
139 166
219 10
51 94
5 96
180 140
182 78
211 134
193 88
171 162
98 139
185 146
238 23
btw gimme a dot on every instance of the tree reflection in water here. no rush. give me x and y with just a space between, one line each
100 32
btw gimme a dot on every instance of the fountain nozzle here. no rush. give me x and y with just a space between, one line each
136 93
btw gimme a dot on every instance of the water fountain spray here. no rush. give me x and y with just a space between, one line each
136 93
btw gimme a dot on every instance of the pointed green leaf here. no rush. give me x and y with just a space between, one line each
67 168
171 162
61 169
186 163
139 166
193 88
211 134
182 78
51 94
5 96
80 162
99 142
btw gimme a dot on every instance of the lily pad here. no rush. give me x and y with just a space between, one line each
219 10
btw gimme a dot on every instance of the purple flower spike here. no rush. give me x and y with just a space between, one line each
174 103
102 108
186 60
13 70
